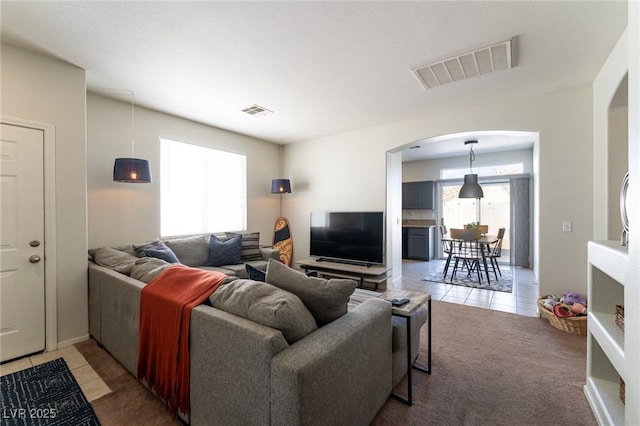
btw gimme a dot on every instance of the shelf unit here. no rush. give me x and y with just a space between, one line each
606 361
374 276
614 270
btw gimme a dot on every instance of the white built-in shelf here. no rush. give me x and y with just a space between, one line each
610 257
606 341
609 337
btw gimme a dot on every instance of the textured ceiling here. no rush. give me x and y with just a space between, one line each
321 67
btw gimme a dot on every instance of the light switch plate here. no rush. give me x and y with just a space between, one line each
567 226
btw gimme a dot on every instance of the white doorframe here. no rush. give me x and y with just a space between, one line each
51 307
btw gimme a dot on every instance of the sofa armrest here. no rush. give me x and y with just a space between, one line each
269 253
230 360
339 374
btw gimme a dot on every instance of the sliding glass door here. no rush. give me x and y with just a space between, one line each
492 210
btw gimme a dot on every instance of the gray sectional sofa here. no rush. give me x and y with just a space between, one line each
195 251
248 367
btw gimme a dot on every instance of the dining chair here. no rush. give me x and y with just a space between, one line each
496 252
447 246
467 250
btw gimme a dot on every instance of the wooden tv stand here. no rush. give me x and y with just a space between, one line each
374 274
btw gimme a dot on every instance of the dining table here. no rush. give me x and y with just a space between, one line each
484 243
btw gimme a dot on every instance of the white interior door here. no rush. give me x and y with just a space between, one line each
22 280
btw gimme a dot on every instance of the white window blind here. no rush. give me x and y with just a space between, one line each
202 190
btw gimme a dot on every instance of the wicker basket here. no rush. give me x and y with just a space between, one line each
620 316
573 325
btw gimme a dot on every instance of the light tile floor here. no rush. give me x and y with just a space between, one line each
91 384
522 300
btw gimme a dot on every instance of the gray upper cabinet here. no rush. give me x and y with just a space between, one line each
419 195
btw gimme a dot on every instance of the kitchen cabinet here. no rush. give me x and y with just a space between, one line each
418 195
419 243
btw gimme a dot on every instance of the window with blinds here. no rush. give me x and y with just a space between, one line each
202 190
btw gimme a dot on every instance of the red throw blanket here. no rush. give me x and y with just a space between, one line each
165 311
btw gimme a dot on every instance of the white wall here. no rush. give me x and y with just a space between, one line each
121 213
347 172
618 165
605 87
45 90
632 274
430 169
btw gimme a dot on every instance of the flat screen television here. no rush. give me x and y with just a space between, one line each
352 237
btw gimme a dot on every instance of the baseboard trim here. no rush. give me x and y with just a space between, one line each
73 341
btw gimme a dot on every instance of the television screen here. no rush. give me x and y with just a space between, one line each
348 236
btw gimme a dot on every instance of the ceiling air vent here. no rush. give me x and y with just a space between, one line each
257 110
471 64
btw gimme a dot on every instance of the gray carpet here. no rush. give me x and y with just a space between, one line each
504 282
495 368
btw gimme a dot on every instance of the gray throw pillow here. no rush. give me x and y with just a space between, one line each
224 252
114 259
147 268
191 251
266 305
250 245
326 299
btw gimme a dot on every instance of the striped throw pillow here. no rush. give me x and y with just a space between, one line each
250 245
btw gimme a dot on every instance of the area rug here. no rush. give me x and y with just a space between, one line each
46 394
504 283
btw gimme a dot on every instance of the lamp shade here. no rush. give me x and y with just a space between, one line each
280 186
131 170
471 188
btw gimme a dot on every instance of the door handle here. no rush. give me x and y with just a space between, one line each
34 259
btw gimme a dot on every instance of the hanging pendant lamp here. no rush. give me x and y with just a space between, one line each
471 188
281 185
132 170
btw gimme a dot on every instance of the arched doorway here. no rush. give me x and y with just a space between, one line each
496 155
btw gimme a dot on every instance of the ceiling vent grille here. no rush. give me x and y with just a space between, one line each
471 64
257 110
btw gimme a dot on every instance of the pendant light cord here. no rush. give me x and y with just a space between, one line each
132 123
281 174
472 157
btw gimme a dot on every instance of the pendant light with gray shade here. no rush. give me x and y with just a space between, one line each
281 185
132 170
471 188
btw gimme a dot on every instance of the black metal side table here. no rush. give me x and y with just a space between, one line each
417 299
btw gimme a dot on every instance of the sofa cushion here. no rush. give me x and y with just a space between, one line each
326 299
114 259
139 248
191 251
147 268
164 253
266 305
250 245
224 252
255 273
